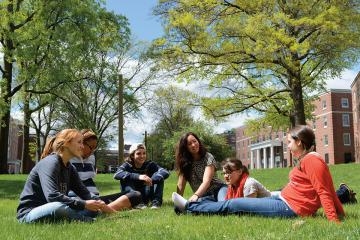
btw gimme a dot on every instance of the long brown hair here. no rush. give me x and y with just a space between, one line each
184 158
307 138
88 134
56 143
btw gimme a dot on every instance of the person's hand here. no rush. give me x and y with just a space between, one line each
147 180
194 198
94 205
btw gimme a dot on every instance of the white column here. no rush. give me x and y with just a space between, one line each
258 163
265 160
251 159
272 158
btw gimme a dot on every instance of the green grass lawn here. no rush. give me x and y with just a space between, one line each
165 224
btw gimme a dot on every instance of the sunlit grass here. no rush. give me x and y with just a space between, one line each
165 224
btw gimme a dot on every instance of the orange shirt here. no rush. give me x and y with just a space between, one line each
312 187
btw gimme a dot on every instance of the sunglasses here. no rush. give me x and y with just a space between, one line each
229 172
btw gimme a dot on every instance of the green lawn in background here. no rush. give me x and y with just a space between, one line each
165 224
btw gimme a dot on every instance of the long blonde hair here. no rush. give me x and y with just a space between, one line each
56 143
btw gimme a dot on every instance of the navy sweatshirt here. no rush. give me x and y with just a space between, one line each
128 172
50 181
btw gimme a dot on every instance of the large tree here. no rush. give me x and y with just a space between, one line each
93 102
172 111
41 41
32 32
270 56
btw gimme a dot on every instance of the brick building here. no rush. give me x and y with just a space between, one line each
355 92
265 150
333 127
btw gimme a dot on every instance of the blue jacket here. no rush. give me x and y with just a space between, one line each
128 172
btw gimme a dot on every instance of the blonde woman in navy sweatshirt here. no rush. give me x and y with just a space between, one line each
147 177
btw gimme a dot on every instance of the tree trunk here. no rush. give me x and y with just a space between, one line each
5 94
26 159
121 120
4 136
297 97
5 119
297 116
38 145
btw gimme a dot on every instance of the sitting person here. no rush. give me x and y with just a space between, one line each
310 187
147 177
239 183
85 166
44 196
195 165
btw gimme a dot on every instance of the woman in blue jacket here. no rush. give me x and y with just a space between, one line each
147 177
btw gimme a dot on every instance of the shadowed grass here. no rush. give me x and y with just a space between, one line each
165 224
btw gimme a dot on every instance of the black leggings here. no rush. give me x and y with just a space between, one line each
134 197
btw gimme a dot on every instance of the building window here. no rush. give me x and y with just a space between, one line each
347 140
326 140
344 103
325 121
323 103
346 120
327 158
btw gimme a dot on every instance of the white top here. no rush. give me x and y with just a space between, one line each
252 185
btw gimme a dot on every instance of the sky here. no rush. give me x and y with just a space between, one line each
144 26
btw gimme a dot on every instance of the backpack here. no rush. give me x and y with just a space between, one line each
346 194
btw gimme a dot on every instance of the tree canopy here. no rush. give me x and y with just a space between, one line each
42 42
270 56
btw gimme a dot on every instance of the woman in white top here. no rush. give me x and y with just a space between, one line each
240 184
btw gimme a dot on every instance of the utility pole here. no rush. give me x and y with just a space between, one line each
145 139
121 120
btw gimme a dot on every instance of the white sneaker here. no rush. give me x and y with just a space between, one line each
179 201
140 206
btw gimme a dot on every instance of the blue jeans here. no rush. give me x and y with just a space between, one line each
268 207
148 193
57 211
218 196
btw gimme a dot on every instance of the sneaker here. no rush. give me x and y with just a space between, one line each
140 206
179 201
155 205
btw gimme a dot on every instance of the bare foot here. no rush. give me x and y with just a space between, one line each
107 209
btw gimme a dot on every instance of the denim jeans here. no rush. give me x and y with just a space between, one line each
218 196
57 211
268 207
148 193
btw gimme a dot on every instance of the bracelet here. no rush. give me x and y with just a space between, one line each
196 195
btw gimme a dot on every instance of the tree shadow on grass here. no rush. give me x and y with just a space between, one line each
11 189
